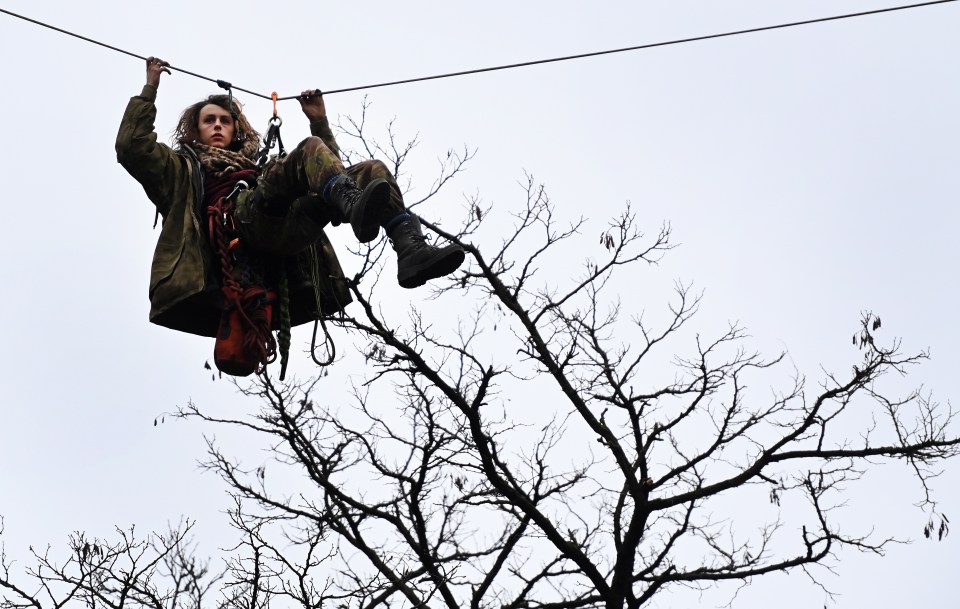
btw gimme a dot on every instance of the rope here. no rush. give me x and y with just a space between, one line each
327 342
249 301
512 65
320 319
284 334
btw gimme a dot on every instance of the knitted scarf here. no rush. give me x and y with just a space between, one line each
223 168
218 162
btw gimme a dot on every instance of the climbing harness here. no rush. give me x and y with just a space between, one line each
244 342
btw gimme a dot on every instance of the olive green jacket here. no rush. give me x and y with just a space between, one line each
185 285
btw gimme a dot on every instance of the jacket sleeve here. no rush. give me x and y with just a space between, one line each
321 129
151 163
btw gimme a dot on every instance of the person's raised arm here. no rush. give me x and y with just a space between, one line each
151 163
311 102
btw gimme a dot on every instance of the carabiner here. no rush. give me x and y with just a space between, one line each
241 185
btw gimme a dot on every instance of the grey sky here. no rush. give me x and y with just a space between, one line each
809 174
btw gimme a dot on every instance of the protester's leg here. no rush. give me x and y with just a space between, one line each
299 194
417 261
367 172
322 191
286 234
305 170
313 168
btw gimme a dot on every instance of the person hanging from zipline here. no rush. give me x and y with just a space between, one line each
223 260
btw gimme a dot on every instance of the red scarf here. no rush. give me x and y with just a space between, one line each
214 188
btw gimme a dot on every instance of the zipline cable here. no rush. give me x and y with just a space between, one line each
647 46
512 65
119 50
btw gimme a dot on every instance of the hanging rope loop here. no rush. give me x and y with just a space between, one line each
329 346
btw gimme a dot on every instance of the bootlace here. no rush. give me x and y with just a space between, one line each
415 241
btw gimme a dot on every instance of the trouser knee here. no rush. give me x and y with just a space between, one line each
378 169
313 145
366 171
305 170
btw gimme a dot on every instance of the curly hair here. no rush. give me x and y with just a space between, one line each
188 127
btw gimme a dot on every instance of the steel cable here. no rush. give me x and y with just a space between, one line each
512 65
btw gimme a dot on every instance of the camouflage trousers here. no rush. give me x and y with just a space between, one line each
294 185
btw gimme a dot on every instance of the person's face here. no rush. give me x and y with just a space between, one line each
216 126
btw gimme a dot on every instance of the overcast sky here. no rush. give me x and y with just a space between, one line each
809 174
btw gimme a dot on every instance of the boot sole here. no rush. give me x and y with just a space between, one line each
375 196
420 274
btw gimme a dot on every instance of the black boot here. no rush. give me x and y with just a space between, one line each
418 261
361 208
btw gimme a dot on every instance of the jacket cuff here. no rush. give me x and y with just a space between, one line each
149 92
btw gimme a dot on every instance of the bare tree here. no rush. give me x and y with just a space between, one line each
158 572
432 490
554 450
